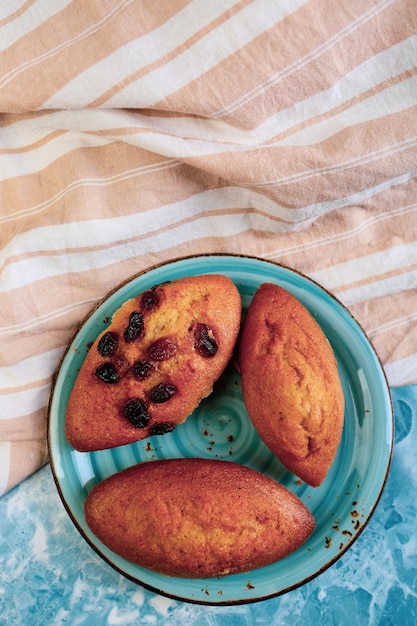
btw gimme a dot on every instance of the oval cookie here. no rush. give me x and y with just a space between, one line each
290 383
197 518
156 361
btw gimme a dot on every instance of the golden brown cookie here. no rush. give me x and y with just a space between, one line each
156 361
197 518
290 383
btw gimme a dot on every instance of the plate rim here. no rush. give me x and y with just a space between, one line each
137 580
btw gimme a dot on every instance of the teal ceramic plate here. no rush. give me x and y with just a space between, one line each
220 429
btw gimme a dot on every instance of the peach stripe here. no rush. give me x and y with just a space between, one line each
317 70
12 16
117 87
352 153
397 215
396 272
365 95
302 149
26 458
74 173
28 147
92 183
48 40
311 77
367 240
393 343
363 229
31 426
137 237
75 47
387 340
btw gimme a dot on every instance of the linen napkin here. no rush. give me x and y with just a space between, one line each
136 132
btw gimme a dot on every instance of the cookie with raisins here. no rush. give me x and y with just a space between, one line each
154 363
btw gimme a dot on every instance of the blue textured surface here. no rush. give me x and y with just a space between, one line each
49 575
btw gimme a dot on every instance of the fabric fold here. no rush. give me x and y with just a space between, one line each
133 133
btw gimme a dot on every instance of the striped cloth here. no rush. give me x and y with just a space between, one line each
133 132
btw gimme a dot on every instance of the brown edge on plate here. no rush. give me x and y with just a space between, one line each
155 589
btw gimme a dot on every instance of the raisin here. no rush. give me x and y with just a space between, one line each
143 369
150 300
136 411
162 428
162 349
107 373
204 341
162 392
135 327
107 344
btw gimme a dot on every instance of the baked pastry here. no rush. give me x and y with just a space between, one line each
154 363
197 518
290 383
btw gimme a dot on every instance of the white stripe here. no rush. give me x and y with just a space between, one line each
49 54
4 465
275 218
19 165
40 320
23 133
117 234
206 53
246 197
89 182
365 267
394 99
372 72
402 372
406 281
308 58
362 159
179 148
124 61
15 165
341 236
28 21
30 370
10 7
203 137
388 326
24 402
99 232
308 213
378 69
